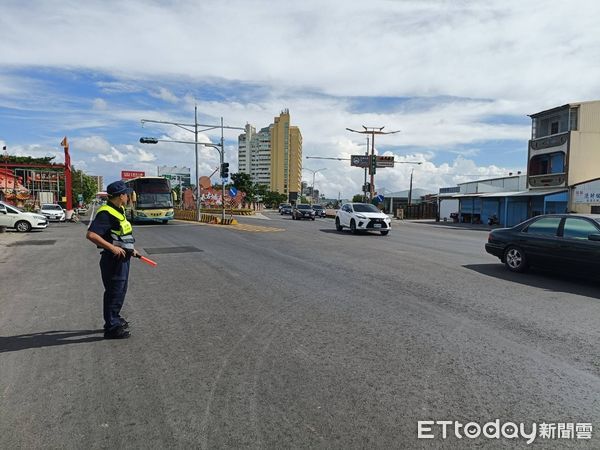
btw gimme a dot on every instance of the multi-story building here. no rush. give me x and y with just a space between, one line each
273 156
564 152
563 171
254 154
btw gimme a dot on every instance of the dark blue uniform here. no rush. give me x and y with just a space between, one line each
115 271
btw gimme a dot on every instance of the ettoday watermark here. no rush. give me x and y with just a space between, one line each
495 429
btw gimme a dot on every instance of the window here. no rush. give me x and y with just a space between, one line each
573 118
544 226
547 164
578 228
554 128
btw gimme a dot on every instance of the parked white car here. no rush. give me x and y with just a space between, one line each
362 217
53 211
12 217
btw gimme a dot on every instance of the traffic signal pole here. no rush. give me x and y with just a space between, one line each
193 128
372 131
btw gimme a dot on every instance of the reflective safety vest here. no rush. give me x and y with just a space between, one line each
123 236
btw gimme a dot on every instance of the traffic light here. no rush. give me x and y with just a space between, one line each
367 187
148 140
373 165
225 170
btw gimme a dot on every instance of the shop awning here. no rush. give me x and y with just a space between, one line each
530 193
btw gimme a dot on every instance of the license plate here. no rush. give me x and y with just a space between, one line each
376 225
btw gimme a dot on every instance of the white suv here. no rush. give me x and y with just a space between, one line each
12 217
362 216
53 212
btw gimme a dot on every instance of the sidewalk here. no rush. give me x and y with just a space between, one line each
452 225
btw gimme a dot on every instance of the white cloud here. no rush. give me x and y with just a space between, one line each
99 104
114 156
487 50
90 144
165 94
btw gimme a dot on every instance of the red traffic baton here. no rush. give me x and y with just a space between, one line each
147 260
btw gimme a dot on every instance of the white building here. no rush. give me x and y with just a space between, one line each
254 154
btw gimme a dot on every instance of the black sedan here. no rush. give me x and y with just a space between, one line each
563 242
319 211
302 211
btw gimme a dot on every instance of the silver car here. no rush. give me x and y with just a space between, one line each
53 211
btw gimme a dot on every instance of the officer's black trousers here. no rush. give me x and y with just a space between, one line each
115 275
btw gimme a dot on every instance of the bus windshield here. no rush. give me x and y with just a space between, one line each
152 193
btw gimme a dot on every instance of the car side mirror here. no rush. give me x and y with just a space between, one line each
594 237
3 210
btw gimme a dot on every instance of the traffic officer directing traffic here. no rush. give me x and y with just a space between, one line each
111 231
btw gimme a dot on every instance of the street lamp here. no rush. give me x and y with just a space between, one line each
218 147
312 189
185 126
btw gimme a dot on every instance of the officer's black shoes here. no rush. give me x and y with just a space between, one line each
116 333
124 323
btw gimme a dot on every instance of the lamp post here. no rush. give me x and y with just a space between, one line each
187 127
218 147
312 189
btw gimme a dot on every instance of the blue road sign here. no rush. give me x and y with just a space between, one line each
232 191
380 198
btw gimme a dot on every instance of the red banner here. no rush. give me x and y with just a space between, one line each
129 174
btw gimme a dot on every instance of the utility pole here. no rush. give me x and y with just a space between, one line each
372 131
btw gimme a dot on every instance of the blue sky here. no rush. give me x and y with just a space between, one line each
457 78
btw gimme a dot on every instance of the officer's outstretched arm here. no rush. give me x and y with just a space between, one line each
100 242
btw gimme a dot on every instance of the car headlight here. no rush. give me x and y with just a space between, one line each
40 217
169 213
140 214
360 216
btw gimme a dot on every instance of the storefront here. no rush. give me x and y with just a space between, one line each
511 208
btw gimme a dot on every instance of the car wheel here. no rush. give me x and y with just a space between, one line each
165 221
353 227
515 260
338 226
23 226
313 218
384 232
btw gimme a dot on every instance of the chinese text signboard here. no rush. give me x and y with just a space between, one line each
588 192
129 174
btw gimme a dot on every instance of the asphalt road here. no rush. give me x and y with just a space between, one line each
286 334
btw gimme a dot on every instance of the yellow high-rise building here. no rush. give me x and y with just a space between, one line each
281 164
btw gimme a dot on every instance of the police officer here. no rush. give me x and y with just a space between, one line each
111 231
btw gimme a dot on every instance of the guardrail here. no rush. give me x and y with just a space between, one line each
186 214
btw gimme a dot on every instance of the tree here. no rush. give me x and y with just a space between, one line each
358 198
83 185
13 159
243 182
274 198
